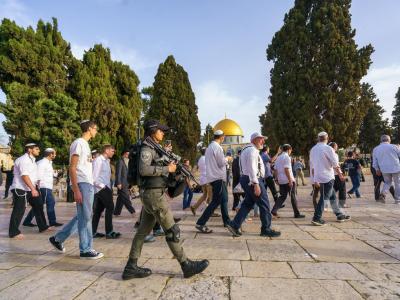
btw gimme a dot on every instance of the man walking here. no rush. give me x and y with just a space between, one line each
103 197
354 168
298 169
81 175
216 176
205 187
121 182
386 163
46 180
252 181
323 163
285 178
339 185
24 190
156 208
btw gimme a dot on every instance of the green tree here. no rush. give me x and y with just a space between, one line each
373 124
173 103
208 135
35 67
315 81
396 119
107 93
31 116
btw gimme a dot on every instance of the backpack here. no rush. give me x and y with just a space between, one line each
133 165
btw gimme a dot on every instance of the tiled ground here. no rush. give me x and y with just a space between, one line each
359 259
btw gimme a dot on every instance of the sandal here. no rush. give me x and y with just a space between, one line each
203 229
113 235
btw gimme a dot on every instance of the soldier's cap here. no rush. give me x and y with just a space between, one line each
154 124
31 145
322 133
256 135
219 133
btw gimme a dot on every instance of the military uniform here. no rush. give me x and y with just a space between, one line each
155 206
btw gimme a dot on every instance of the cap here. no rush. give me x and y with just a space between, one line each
49 150
256 135
219 132
154 124
30 145
322 133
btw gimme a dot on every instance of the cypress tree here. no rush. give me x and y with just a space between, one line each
207 136
173 104
396 119
315 81
107 93
373 124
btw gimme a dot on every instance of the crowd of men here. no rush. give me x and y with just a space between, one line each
254 172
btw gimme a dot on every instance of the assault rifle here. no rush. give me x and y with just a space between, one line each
169 157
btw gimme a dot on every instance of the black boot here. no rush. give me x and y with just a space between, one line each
132 270
191 268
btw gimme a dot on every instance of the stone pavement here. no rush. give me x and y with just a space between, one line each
359 259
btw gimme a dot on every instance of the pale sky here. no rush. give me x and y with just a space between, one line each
221 44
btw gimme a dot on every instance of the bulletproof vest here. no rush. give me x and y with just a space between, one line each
151 182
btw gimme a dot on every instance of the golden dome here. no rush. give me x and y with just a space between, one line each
229 127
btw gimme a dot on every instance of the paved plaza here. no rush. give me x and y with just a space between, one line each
359 259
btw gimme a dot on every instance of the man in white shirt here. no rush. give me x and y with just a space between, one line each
24 190
252 181
284 175
205 187
323 164
80 172
386 162
216 176
103 197
45 173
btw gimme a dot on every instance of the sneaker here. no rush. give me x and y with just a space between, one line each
347 218
113 235
381 198
98 235
235 232
56 224
149 238
270 233
58 245
341 218
318 222
92 254
158 232
299 216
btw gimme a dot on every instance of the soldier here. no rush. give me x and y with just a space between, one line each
156 209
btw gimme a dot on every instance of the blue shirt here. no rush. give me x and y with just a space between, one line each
267 164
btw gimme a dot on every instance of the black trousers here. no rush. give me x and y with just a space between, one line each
284 191
123 199
377 186
20 197
236 199
103 199
340 186
270 184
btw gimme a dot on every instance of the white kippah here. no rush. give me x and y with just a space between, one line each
30 145
84 121
49 150
219 132
322 133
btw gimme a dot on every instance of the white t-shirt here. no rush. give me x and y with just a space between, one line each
81 148
25 165
282 162
45 173
322 160
202 170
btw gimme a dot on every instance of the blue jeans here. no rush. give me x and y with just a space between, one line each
327 193
187 197
355 180
48 199
219 197
248 203
82 222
